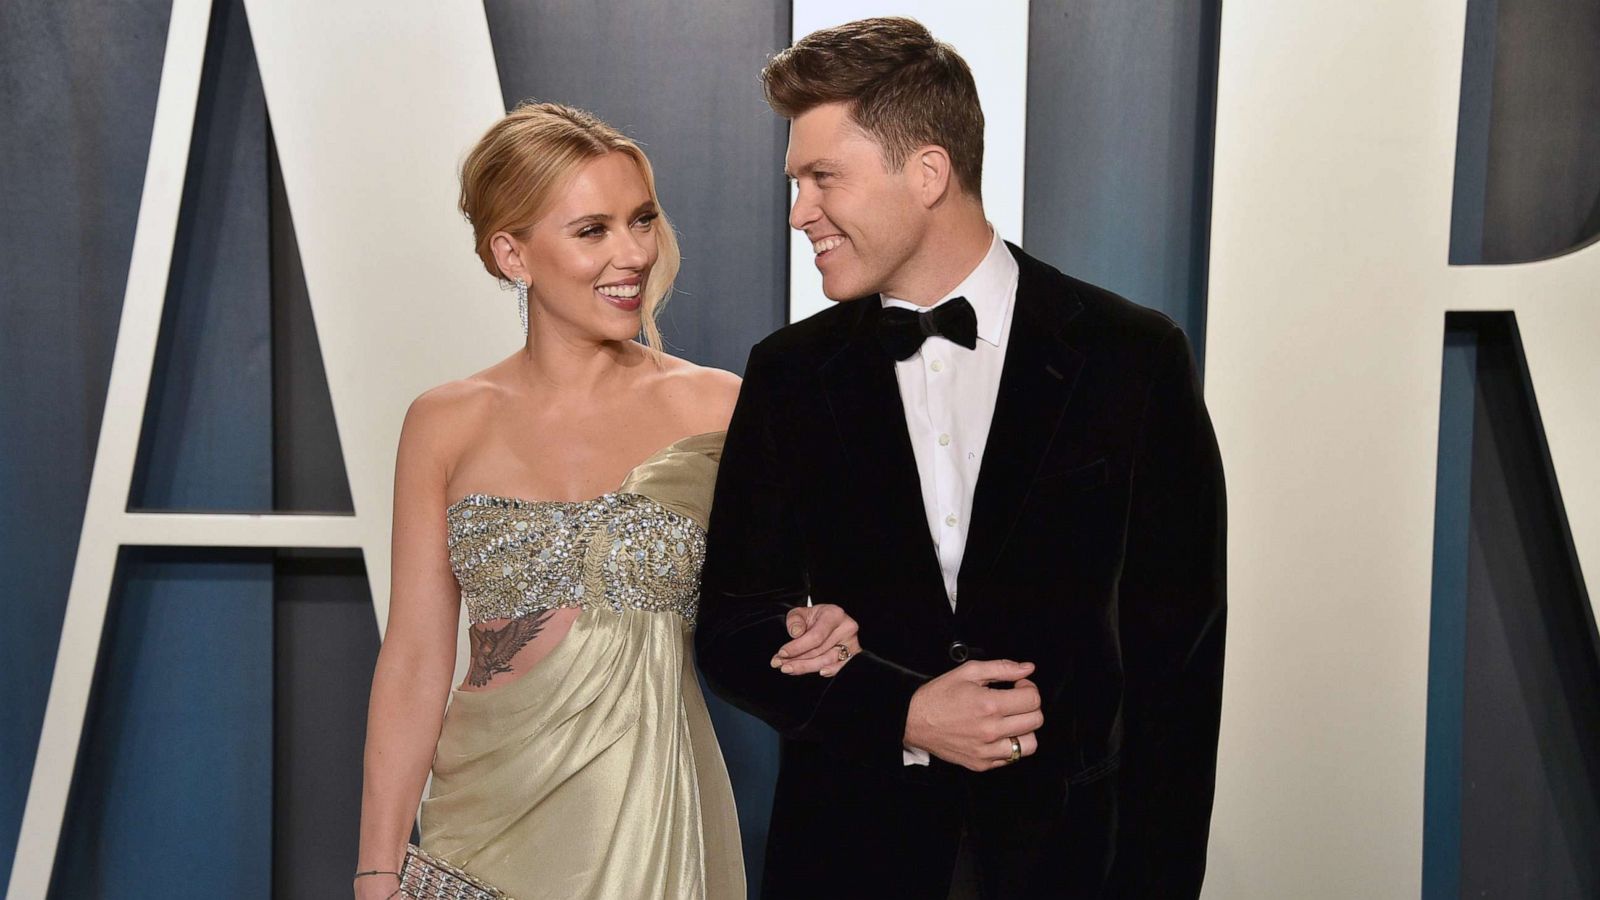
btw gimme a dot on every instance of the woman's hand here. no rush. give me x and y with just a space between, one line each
824 641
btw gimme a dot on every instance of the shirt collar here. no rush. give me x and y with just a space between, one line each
991 288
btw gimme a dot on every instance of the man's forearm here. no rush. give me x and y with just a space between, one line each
859 712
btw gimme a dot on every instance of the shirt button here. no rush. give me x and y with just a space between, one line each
950 520
936 365
944 440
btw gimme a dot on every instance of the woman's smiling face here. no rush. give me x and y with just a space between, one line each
588 259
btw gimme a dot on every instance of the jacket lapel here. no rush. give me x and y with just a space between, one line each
864 397
1036 385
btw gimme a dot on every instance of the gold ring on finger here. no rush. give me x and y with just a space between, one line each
844 652
1016 751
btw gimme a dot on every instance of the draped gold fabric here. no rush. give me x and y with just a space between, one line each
595 774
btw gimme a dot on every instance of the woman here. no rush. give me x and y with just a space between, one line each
562 495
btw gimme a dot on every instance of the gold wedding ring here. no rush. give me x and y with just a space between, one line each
1016 751
844 652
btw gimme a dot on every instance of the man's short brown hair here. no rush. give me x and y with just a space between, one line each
904 88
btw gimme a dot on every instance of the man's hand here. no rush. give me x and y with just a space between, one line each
960 719
818 631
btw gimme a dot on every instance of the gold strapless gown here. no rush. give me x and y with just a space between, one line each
594 774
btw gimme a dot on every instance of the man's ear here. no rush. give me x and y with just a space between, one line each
931 170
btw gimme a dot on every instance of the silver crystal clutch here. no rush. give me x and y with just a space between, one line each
423 877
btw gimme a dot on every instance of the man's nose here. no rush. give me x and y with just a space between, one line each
804 211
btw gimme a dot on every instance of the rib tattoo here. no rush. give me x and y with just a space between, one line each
493 648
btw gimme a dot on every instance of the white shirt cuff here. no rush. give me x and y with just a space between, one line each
912 757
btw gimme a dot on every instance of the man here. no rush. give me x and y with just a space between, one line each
1007 480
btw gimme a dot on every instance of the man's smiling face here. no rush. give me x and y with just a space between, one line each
863 217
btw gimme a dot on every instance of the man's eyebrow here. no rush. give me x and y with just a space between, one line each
808 168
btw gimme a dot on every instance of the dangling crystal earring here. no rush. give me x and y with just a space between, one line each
522 304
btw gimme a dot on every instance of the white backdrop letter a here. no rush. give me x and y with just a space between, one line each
372 106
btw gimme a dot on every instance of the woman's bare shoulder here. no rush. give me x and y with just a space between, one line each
451 411
454 400
701 396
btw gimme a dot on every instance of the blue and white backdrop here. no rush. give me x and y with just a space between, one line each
229 257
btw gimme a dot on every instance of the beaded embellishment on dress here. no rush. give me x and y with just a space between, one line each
516 557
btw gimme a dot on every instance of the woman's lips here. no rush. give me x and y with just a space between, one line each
627 304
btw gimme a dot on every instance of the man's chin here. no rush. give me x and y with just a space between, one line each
838 291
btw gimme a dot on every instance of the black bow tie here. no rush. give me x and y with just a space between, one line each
901 331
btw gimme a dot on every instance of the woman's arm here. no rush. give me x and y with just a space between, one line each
412 681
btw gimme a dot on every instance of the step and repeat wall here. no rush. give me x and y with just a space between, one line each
230 256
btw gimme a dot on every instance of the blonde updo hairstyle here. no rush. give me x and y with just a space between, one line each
524 160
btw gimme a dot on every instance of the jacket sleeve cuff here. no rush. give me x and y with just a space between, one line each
862 712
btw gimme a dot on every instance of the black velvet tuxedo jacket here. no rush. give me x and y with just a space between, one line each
1094 550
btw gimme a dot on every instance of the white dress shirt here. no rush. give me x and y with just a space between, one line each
949 394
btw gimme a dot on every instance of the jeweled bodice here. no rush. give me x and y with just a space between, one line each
515 557
641 546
